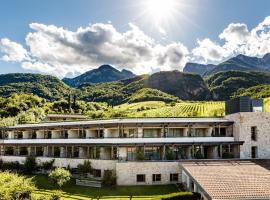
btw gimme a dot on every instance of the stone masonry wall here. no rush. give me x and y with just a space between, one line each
242 132
127 172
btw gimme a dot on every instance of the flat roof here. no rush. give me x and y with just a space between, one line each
123 121
66 116
235 179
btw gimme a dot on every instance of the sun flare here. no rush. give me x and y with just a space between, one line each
160 9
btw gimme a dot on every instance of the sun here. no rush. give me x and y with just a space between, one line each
160 9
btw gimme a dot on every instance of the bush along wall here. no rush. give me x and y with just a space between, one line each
182 196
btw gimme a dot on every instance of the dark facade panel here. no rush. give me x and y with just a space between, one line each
243 104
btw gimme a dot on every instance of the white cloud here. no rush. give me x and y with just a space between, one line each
55 50
208 50
236 39
13 52
58 51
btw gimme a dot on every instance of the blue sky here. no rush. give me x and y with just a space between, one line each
193 20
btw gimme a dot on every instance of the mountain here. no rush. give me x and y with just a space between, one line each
105 73
45 86
243 63
185 86
237 63
224 85
198 68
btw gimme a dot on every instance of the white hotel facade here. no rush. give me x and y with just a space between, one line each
140 151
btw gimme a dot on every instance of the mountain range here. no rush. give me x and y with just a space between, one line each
237 76
239 63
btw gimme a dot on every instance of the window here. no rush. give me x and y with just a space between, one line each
174 177
254 152
254 133
151 133
152 153
175 132
156 177
131 153
97 172
140 178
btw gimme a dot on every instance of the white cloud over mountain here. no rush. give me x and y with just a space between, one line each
237 40
58 51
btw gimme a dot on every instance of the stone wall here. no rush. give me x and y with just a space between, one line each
242 132
127 172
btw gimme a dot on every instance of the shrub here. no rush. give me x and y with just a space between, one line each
85 167
15 187
109 178
56 195
12 166
182 196
60 176
227 155
47 165
198 155
30 165
169 154
139 154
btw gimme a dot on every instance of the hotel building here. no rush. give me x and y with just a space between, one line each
142 150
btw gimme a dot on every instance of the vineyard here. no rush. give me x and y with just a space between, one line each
182 109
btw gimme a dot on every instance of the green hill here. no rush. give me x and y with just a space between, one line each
223 85
45 86
259 91
148 94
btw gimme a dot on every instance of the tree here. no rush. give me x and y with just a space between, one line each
14 186
85 167
60 176
109 178
30 165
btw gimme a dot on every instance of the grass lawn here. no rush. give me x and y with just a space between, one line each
72 191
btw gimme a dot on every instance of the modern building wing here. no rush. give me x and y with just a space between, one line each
230 180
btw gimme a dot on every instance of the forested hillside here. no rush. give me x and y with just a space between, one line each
45 86
223 85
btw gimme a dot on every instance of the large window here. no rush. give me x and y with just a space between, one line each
254 152
196 132
131 153
152 153
221 131
140 178
174 177
175 132
151 133
156 177
254 133
130 133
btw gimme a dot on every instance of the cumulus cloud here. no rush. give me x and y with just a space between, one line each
59 51
55 50
13 52
235 39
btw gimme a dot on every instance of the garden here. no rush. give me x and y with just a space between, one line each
32 181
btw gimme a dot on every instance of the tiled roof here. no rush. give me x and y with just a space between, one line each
228 180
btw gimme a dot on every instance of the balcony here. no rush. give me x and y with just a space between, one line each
123 141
